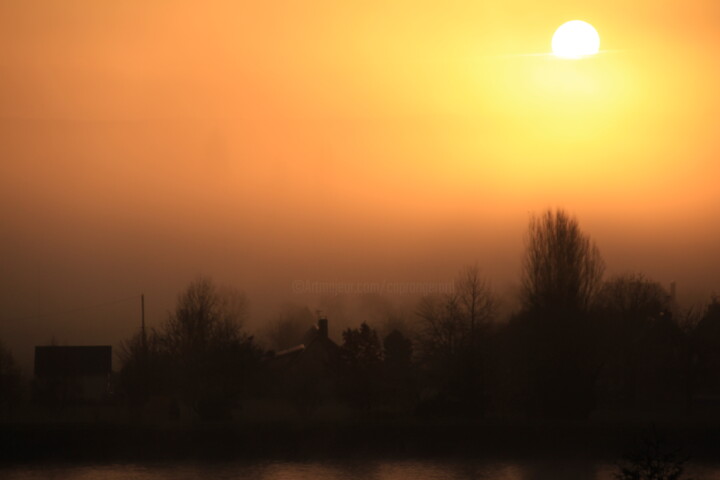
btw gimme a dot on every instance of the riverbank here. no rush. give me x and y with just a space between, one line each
24 442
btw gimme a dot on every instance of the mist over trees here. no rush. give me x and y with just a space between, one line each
578 345
289 327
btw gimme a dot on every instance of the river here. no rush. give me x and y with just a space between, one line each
448 469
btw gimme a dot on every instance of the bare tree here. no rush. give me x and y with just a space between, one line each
454 342
452 322
562 267
441 329
199 354
205 317
474 297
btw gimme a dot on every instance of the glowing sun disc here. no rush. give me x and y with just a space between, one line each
575 39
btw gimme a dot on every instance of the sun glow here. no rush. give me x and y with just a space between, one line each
575 39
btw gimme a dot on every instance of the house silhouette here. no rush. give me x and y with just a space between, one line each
308 373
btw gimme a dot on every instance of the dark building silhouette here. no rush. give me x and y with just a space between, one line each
73 374
308 373
316 357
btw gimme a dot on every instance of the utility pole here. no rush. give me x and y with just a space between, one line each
144 380
142 319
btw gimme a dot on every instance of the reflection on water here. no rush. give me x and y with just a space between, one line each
356 470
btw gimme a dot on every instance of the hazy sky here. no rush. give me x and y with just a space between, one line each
145 142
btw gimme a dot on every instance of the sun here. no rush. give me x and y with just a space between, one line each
575 39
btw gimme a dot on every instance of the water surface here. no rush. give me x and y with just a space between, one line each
457 469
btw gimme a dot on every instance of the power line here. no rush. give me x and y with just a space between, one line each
75 310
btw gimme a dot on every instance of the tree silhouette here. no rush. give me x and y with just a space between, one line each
146 369
706 348
399 375
397 350
562 268
362 360
643 348
476 301
451 323
214 362
454 341
655 461
555 343
200 354
204 319
633 297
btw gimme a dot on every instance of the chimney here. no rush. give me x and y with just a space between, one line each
323 326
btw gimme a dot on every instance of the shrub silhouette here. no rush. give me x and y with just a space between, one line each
655 461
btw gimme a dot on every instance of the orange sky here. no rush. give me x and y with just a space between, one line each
142 143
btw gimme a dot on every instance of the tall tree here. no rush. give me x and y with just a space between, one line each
200 354
205 318
215 362
562 267
555 352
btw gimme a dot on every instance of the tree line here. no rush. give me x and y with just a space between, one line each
579 344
